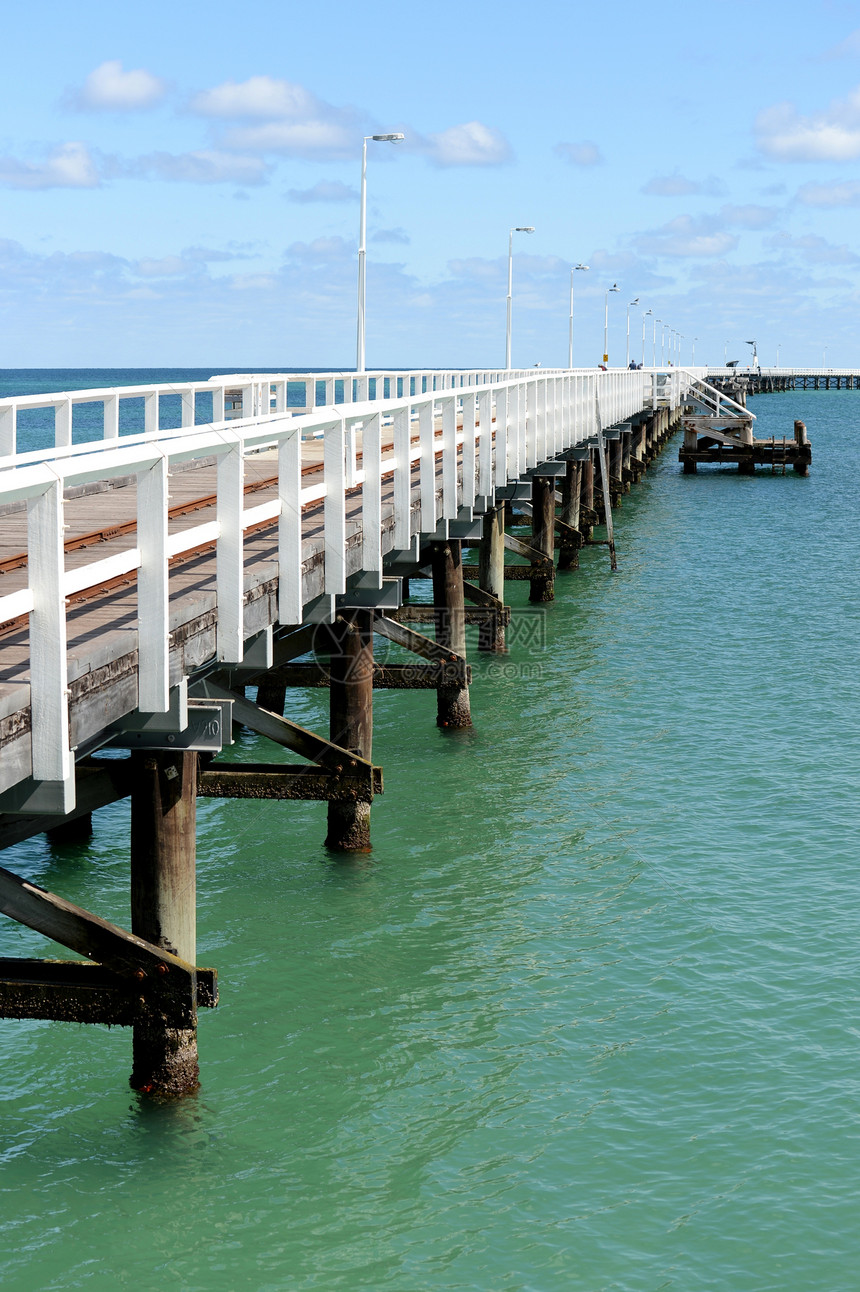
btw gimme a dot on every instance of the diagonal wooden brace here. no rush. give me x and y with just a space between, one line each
415 642
531 554
165 983
286 733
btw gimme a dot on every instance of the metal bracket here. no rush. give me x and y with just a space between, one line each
209 729
388 597
547 469
521 491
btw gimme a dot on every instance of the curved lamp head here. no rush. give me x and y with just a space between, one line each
524 228
581 266
387 139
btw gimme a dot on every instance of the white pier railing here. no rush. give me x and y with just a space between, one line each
151 409
230 397
487 432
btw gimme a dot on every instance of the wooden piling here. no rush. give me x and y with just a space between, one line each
491 577
543 535
77 829
351 721
568 554
586 495
453 708
272 694
163 907
691 441
801 467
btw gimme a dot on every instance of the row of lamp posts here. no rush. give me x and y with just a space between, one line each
675 338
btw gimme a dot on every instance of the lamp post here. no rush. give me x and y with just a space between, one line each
520 228
680 347
693 359
644 317
663 327
635 301
584 268
613 288
362 244
654 343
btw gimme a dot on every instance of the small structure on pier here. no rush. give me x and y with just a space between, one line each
719 429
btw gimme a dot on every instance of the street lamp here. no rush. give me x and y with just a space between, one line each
362 244
680 347
613 288
635 301
520 228
570 330
644 317
693 359
663 327
654 342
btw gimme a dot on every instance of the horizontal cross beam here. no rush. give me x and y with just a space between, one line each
277 781
74 991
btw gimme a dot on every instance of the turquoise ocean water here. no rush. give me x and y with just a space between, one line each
586 1018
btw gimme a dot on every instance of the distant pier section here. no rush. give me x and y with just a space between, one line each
761 381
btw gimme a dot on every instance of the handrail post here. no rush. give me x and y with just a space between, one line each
229 555
290 598
153 625
49 698
334 508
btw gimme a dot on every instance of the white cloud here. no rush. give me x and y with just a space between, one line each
166 267
279 117
391 235
313 138
69 166
677 185
749 216
109 89
321 250
585 153
203 167
816 250
687 237
839 193
469 144
326 190
260 98
831 135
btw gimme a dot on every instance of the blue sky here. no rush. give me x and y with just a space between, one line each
179 182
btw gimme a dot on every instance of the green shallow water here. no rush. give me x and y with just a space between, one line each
586 1018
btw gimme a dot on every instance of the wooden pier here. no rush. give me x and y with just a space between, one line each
762 381
147 583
